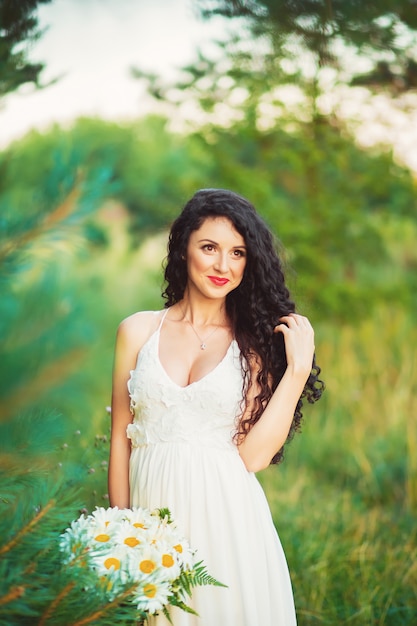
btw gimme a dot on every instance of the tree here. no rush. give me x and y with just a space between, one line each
18 28
46 330
381 31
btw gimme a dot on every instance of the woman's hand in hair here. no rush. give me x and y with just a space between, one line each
299 342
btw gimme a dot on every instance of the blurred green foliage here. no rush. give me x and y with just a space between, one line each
48 332
338 209
335 208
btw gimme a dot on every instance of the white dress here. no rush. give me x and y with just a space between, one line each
184 458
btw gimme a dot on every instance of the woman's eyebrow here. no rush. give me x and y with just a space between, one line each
216 243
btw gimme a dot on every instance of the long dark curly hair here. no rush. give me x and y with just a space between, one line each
254 307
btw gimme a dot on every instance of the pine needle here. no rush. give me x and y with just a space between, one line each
14 593
59 214
94 616
49 375
51 609
26 529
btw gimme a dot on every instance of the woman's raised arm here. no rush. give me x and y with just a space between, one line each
270 432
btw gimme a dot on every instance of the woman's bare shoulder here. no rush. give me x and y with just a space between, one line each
138 327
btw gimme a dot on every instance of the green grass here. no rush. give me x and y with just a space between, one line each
344 500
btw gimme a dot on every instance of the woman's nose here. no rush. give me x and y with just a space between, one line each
222 263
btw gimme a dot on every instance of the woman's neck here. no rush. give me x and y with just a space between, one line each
203 311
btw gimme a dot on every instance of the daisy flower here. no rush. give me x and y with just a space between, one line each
144 563
151 595
129 536
172 537
142 518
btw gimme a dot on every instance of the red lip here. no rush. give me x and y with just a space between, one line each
218 281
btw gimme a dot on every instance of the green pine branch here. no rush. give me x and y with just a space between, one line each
26 529
47 223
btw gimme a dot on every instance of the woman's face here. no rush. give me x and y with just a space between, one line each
216 258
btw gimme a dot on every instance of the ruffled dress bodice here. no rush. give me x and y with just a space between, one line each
166 412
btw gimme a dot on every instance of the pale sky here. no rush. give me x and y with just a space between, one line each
91 44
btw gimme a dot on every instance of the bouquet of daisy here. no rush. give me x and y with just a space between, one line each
136 555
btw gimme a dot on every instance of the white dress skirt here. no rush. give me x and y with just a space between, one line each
184 458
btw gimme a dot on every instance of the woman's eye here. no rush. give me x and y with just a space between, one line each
209 247
239 253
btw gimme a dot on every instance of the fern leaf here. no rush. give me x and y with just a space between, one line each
198 576
167 615
175 601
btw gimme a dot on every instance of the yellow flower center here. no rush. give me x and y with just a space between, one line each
147 566
103 538
112 562
178 548
132 542
138 525
150 590
167 560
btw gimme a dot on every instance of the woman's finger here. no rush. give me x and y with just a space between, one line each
294 319
281 328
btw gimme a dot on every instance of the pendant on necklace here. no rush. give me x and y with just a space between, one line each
203 346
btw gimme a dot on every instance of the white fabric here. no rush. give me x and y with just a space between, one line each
184 458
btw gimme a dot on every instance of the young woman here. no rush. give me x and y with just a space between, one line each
215 383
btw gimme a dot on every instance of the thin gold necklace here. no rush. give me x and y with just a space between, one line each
203 344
